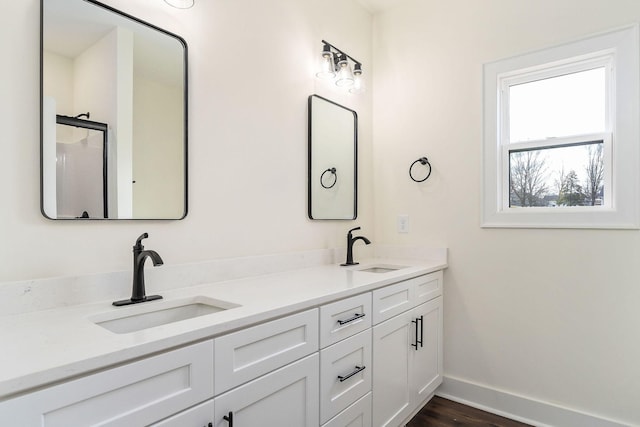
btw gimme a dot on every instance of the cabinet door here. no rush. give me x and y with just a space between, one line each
135 394
392 349
426 359
198 416
288 397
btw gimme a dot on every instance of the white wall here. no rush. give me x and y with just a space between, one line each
251 71
551 315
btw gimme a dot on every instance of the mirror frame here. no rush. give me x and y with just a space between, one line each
310 159
185 109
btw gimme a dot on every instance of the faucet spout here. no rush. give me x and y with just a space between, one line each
140 255
350 241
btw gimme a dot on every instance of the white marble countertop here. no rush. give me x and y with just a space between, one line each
46 346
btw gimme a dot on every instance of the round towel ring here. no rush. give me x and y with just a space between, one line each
422 161
335 178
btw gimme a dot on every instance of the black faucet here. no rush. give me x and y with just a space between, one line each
350 241
139 257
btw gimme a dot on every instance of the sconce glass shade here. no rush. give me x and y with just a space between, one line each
345 76
180 4
358 81
326 69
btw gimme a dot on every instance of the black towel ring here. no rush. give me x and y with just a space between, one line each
335 178
422 161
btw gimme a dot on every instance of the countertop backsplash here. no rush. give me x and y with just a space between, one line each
43 294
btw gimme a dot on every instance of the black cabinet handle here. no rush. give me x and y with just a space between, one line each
419 333
351 319
350 374
229 418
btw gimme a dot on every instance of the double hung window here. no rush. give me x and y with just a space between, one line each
561 140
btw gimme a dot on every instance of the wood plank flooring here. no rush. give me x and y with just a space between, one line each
441 412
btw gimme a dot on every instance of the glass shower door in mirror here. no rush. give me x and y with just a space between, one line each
333 149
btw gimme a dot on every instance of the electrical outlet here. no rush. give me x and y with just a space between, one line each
403 223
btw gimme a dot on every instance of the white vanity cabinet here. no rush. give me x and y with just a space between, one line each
368 360
407 347
134 394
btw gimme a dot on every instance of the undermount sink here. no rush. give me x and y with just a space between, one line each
381 268
137 318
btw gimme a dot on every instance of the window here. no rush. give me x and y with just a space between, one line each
561 143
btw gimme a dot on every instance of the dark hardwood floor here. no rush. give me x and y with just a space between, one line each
441 412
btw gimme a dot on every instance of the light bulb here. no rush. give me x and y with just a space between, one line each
327 70
180 4
345 77
358 81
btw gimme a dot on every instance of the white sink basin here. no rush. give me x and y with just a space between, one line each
137 318
383 268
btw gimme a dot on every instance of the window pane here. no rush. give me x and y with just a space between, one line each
571 175
572 104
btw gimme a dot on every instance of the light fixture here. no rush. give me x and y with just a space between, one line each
180 4
334 64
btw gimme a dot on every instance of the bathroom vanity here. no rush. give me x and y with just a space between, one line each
324 346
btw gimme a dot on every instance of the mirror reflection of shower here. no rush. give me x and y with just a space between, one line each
81 167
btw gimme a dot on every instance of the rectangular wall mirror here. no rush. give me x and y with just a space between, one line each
113 115
333 160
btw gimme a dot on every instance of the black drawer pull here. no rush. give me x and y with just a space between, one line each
350 374
229 418
355 317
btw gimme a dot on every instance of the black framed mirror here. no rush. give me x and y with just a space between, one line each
333 160
113 115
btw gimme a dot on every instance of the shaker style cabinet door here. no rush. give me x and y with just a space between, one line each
287 397
427 359
392 349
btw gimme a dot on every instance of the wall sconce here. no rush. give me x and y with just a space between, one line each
180 4
334 65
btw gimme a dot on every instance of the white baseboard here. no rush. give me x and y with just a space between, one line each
520 408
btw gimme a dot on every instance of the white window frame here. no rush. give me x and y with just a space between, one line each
618 51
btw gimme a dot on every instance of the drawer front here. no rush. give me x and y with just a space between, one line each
244 355
392 300
136 394
356 415
198 416
344 318
428 287
345 374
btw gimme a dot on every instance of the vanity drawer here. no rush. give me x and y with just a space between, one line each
345 374
428 287
392 300
344 318
135 394
244 355
356 415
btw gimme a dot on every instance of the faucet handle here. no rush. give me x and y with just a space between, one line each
138 244
354 229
